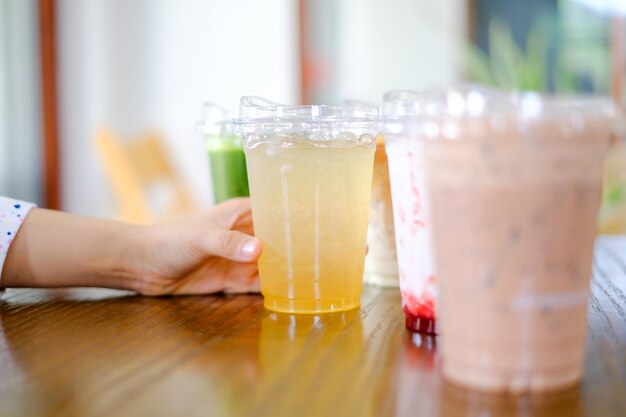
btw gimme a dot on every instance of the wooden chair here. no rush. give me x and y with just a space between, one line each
147 187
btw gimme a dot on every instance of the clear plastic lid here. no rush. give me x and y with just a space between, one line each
215 121
406 111
258 116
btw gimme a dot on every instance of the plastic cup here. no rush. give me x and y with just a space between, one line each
514 184
310 172
226 156
381 264
410 209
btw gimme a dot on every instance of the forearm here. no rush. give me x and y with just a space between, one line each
55 249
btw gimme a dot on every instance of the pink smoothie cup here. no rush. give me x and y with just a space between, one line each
512 187
411 209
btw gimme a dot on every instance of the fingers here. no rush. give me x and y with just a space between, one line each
228 213
219 275
233 245
244 224
243 285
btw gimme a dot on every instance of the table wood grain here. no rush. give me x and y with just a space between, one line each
91 352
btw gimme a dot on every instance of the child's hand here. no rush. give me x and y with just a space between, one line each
205 254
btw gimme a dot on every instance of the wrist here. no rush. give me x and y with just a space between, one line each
126 264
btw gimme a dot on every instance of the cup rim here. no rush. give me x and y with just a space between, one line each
257 113
214 120
406 110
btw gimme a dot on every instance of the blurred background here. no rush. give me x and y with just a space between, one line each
100 100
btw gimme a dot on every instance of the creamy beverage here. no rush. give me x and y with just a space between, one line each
514 193
410 209
514 186
381 265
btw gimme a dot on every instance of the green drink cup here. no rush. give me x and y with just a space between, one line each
226 157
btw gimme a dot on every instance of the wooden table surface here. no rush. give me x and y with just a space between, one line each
91 352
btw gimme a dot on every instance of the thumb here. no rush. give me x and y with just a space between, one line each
233 245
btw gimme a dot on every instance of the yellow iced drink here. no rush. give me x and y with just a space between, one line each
310 174
310 204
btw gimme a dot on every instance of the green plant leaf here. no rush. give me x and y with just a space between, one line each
536 71
477 64
616 196
564 79
507 60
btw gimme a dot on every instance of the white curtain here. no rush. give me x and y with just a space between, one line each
20 101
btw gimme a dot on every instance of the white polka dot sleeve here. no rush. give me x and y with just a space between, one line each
12 214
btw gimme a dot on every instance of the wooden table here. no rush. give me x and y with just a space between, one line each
87 352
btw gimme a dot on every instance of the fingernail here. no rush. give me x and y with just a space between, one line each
248 248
